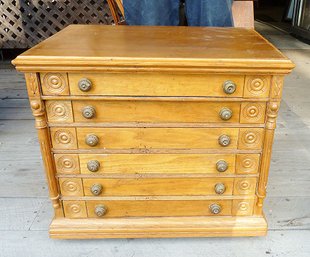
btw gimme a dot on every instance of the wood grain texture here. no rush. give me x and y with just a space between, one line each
253 113
155 186
54 83
158 227
119 209
257 86
157 163
247 163
156 84
71 186
242 207
59 111
244 186
63 138
74 209
67 163
272 113
157 121
165 112
251 138
119 138
38 111
163 49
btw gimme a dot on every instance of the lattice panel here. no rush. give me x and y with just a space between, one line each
25 23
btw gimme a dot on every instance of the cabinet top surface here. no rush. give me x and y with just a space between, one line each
141 46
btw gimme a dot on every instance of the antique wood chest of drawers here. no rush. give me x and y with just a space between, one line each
155 131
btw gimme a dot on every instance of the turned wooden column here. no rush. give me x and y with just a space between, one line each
38 111
273 106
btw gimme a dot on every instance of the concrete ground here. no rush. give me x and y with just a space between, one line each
25 211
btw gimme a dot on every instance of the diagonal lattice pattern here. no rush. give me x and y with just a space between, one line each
26 23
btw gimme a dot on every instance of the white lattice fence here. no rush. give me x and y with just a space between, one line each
25 23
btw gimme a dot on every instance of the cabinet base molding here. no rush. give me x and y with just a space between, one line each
63 228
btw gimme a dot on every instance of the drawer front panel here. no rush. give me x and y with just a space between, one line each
157 186
156 163
155 84
219 164
152 208
155 111
142 138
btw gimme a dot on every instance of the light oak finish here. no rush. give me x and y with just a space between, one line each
158 186
149 84
175 112
63 138
74 209
157 163
151 111
154 227
59 111
116 48
71 186
152 132
67 163
54 83
122 138
247 163
157 208
38 111
242 207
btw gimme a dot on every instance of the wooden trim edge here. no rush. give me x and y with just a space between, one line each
158 227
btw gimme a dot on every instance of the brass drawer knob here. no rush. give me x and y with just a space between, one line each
96 189
221 166
219 188
224 140
215 208
88 112
91 140
100 210
93 165
225 113
85 84
229 87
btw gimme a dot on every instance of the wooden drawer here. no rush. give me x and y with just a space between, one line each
156 163
164 111
156 186
145 208
124 138
155 84
150 208
156 138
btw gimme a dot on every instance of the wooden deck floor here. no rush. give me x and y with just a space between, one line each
25 211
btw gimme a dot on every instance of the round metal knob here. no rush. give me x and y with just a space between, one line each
215 208
96 189
88 112
221 166
224 140
225 113
84 84
229 87
100 210
93 165
219 188
91 140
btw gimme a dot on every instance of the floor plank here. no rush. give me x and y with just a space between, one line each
18 213
37 244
